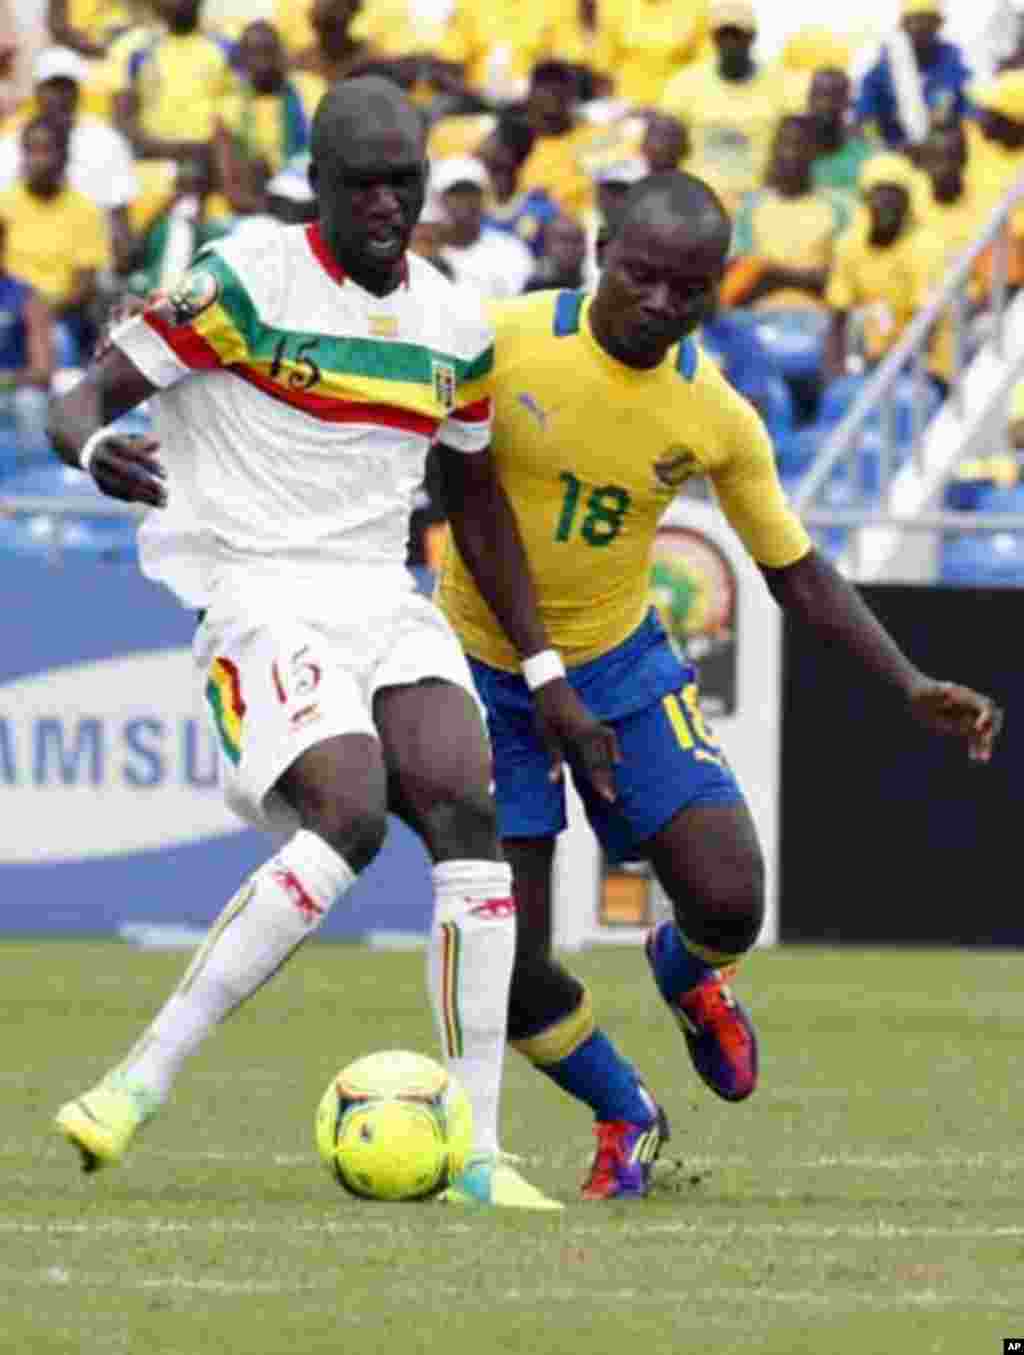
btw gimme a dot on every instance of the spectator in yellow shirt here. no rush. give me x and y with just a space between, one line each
996 136
266 122
337 39
885 266
996 161
785 233
57 238
333 47
87 26
557 162
730 104
174 85
498 42
641 44
953 211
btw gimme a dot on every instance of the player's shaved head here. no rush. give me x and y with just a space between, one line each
675 198
661 267
351 108
368 169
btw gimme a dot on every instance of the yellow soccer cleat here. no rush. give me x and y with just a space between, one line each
102 1123
489 1180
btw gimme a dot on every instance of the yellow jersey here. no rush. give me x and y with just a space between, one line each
591 453
99 20
499 41
180 79
781 230
888 284
49 240
957 224
266 125
731 123
641 44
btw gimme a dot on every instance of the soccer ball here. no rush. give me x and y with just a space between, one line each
394 1126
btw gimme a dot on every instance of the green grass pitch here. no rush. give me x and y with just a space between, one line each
866 1201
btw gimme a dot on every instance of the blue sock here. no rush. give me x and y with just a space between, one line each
676 968
597 1074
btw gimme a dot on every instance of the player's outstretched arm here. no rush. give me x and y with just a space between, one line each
486 533
124 466
816 592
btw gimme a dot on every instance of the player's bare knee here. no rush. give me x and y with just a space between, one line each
461 826
355 830
733 905
724 908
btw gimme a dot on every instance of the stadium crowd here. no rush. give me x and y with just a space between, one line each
147 129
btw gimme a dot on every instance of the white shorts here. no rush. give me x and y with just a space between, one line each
276 684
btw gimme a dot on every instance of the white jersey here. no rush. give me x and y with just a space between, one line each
296 409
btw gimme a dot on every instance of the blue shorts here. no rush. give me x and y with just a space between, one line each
670 759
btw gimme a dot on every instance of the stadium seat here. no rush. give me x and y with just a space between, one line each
66 349
795 339
838 493
40 536
39 533
839 396
10 452
971 480
984 496
983 558
795 453
776 406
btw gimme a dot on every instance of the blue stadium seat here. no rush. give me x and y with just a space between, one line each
973 478
1002 499
795 453
838 397
838 493
37 533
10 452
67 352
983 558
776 406
39 536
795 339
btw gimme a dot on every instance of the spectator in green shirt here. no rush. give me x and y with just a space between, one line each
840 154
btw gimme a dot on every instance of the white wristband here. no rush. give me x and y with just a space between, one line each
87 453
542 668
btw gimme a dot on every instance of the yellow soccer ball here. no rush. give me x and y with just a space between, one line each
394 1126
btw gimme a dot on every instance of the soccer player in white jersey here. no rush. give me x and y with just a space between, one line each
299 375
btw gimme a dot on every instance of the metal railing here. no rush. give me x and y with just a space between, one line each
878 398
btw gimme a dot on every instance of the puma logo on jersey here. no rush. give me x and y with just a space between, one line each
530 404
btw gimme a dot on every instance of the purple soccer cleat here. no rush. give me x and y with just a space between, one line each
719 1034
625 1155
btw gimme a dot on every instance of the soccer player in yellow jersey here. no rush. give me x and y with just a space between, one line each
603 408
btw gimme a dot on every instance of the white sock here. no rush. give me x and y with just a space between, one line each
277 908
472 948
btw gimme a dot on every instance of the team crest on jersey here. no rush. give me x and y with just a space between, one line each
196 292
675 466
444 385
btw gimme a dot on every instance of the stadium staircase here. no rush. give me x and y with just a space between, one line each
878 494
